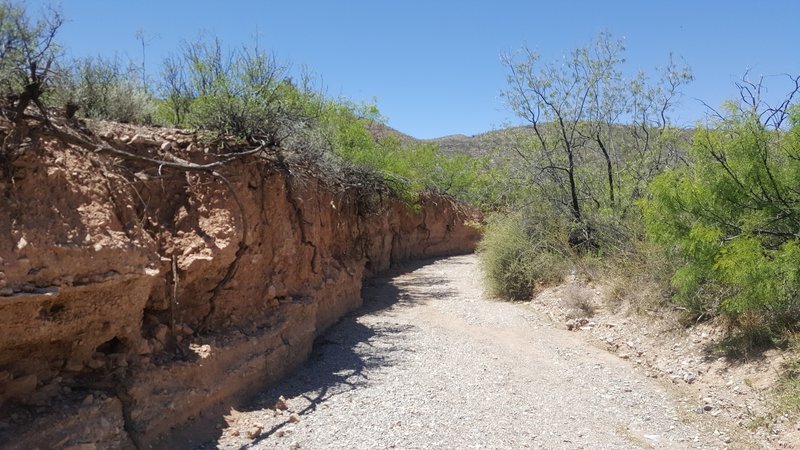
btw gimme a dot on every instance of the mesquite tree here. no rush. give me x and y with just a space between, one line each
732 214
598 136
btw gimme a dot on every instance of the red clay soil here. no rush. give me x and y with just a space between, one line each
132 311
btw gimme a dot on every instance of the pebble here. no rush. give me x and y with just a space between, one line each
255 431
96 363
280 405
142 140
87 446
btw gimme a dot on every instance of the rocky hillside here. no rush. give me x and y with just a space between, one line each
139 300
485 143
504 140
477 145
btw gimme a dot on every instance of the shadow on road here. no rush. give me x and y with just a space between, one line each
343 357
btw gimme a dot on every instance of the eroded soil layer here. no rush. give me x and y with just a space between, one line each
135 301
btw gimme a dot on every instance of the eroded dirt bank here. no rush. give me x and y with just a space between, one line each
136 300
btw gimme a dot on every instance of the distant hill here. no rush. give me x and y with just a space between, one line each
380 131
504 139
484 143
476 145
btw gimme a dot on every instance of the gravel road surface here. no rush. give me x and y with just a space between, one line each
431 362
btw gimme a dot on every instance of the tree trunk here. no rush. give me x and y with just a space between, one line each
609 169
576 209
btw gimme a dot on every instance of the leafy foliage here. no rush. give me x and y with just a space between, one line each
242 92
28 50
408 168
104 89
594 142
733 217
597 137
245 93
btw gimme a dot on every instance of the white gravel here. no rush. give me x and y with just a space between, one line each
430 362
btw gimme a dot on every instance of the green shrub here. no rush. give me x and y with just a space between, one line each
471 179
522 250
732 218
104 89
409 168
237 106
242 93
28 53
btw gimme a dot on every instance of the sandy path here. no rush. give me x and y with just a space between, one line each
429 362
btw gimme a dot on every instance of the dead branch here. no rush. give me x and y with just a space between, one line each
176 163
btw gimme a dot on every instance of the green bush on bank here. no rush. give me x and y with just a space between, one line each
409 168
521 250
104 89
732 217
241 92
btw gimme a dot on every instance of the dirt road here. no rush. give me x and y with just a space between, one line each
430 362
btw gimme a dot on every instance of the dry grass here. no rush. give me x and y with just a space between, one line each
639 282
578 301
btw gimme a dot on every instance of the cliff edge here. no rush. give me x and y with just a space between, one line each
137 299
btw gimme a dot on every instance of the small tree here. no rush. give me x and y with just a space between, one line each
586 119
28 53
175 90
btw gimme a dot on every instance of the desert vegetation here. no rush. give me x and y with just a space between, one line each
595 141
610 182
243 93
604 187
602 183
728 216
601 178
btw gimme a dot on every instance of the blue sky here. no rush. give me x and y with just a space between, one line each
433 66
